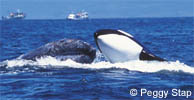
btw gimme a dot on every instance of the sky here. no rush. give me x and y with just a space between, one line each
59 9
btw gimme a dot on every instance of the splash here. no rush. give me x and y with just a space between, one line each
141 66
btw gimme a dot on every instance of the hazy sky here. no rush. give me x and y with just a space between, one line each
59 9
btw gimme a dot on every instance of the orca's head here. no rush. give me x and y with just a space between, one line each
120 46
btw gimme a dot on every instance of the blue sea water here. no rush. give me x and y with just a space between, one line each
50 79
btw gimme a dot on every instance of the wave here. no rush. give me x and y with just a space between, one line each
141 66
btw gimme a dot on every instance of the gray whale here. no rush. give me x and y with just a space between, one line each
64 49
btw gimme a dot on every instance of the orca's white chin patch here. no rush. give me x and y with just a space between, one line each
119 46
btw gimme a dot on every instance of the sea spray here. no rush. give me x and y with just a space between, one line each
136 65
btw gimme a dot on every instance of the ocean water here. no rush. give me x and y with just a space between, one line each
51 79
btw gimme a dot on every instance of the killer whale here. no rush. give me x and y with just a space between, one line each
120 46
64 49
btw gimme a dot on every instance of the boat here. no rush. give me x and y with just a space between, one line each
14 15
78 16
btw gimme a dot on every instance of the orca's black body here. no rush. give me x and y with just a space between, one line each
64 49
119 46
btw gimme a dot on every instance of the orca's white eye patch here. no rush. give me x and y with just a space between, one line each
125 33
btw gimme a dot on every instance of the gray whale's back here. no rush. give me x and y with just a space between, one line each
64 49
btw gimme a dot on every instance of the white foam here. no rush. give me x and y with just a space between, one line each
141 66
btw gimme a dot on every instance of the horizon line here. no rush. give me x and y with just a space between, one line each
108 18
